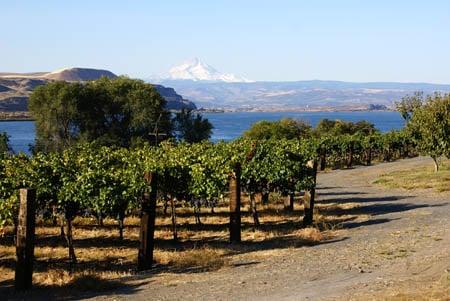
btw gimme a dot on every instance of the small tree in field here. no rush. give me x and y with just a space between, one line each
430 127
4 144
286 128
192 128
409 104
112 112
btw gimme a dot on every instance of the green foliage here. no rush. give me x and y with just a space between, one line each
286 128
4 144
347 150
54 108
122 112
409 104
340 127
191 128
430 127
112 112
88 178
110 181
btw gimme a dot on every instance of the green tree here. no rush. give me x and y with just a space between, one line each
4 144
54 108
286 128
408 104
120 112
430 127
190 127
364 127
341 127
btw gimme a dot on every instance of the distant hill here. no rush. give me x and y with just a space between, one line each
66 74
15 88
298 95
79 74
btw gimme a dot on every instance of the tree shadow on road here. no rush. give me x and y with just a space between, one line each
377 209
370 222
392 198
340 193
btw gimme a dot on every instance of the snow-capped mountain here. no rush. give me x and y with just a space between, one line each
197 70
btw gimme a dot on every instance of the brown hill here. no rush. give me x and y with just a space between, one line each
79 74
15 88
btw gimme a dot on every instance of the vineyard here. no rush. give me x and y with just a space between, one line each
105 184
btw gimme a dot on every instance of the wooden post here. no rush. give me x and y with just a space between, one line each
25 240
265 198
173 213
369 157
235 205
323 159
147 229
350 158
309 197
289 202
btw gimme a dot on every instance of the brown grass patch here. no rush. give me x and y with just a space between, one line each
309 234
84 281
439 290
204 258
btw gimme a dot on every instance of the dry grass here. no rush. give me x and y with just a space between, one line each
437 291
103 258
85 281
309 234
418 178
204 258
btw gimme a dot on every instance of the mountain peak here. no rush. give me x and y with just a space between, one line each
197 70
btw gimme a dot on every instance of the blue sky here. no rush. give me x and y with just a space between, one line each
406 41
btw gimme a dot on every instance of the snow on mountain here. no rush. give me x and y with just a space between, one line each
197 70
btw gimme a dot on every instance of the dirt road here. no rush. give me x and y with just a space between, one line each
403 245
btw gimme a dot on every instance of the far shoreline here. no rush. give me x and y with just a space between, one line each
16 118
292 111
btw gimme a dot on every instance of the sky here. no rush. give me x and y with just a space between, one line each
283 40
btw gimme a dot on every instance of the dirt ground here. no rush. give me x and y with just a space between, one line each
395 245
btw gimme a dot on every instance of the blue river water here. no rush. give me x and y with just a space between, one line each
227 126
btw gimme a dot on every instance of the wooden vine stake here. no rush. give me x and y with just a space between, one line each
25 240
309 196
147 229
235 205
289 202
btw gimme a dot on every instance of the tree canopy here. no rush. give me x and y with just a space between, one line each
4 144
119 112
286 128
408 104
190 127
340 127
430 126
